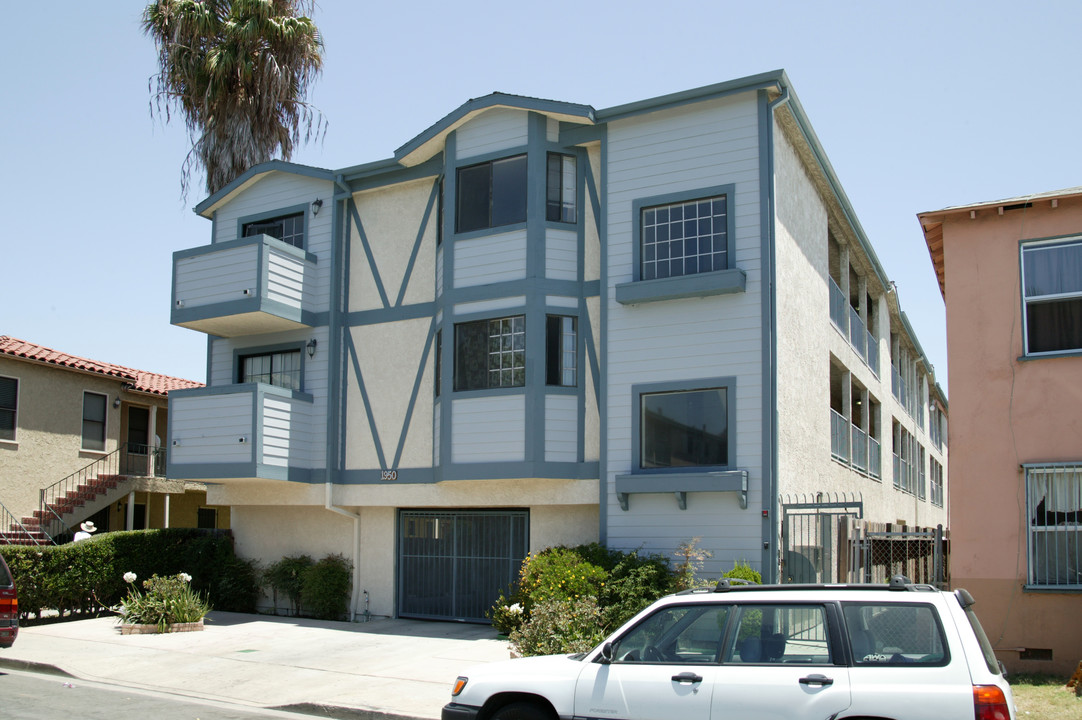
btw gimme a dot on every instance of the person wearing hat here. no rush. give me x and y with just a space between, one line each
84 531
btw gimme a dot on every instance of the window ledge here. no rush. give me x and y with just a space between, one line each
681 484
1064 589
721 282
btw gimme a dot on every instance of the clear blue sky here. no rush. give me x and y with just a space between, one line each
918 105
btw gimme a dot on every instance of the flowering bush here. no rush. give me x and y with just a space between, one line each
506 617
163 602
560 626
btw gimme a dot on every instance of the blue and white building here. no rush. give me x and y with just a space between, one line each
539 323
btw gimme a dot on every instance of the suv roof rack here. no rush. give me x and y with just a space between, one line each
897 583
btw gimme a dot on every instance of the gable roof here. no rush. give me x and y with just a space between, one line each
142 381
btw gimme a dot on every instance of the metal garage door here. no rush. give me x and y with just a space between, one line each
452 564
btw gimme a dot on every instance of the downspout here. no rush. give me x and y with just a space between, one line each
334 402
774 521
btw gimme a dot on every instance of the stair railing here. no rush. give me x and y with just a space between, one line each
15 533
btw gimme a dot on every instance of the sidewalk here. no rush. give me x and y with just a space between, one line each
394 669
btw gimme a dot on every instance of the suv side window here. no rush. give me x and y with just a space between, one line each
895 634
769 634
679 633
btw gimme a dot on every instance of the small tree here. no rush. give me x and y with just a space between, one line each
287 577
691 562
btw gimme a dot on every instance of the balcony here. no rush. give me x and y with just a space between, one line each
852 446
848 321
248 286
245 431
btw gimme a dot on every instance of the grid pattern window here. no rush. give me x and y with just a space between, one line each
490 353
561 184
1054 516
94 421
684 238
684 429
561 366
9 407
491 194
1052 292
936 472
287 228
282 369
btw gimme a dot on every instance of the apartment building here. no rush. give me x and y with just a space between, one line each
539 323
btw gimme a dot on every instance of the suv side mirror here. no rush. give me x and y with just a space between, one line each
605 658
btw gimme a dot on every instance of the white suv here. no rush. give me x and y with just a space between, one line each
899 651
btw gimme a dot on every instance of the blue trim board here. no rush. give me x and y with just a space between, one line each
421 370
367 247
721 282
261 169
335 400
603 414
258 240
408 275
351 348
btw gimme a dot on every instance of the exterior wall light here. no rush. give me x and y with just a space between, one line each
311 346
317 205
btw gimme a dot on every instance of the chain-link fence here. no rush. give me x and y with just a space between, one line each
879 551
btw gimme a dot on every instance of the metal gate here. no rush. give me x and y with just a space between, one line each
813 537
452 564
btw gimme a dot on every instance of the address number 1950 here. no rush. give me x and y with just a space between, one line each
389 475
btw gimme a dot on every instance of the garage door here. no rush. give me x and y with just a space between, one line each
452 564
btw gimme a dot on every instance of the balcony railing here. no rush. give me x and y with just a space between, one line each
873 354
251 430
839 436
847 319
243 287
860 449
875 458
837 307
853 447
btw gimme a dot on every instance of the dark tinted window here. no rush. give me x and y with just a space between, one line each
685 429
895 634
491 194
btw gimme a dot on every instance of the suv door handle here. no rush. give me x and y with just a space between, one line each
688 677
816 679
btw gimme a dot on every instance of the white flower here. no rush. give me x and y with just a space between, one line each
516 608
129 577
185 577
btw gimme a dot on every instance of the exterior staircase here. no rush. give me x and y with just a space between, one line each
71 500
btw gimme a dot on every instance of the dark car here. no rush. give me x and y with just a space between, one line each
9 607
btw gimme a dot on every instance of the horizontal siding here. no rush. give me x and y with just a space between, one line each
207 429
561 428
517 302
492 131
489 429
215 277
561 255
278 191
690 148
490 259
285 278
287 436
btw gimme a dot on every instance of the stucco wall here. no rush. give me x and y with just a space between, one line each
48 441
1005 412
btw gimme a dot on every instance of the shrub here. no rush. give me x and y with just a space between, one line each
238 587
506 617
287 577
558 573
743 571
326 587
560 626
165 601
691 562
634 582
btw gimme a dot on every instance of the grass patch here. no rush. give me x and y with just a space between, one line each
1044 697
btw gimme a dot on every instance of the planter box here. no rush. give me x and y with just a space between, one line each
128 629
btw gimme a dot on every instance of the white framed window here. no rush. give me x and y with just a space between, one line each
684 238
1052 296
490 353
94 415
1054 520
9 407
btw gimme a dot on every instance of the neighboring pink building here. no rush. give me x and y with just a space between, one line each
1011 276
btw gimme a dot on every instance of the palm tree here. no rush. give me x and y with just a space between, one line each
239 73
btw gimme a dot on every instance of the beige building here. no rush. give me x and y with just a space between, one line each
82 440
1011 274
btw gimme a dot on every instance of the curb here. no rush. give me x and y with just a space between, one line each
35 667
336 712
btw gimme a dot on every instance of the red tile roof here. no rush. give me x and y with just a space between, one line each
142 381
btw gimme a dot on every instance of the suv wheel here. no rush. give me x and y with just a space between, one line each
521 711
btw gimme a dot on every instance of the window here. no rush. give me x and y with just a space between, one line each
560 360
906 635
287 228
206 518
1052 292
491 194
684 429
1054 504
282 369
490 353
684 238
93 421
560 188
937 482
790 634
9 405
682 633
